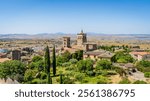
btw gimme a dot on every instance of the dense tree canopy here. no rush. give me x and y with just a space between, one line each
121 57
78 55
66 56
37 58
85 65
103 64
11 69
143 66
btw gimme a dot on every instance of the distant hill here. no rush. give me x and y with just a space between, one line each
73 35
35 36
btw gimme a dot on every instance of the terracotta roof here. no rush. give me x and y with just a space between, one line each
92 53
140 53
4 59
106 55
71 50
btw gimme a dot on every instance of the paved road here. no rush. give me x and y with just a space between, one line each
138 76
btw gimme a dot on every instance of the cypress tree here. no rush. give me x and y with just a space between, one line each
61 79
47 63
80 55
51 81
54 61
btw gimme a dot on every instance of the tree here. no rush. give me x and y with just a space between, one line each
122 73
30 75
37 58
60 60
73 61
77 55
139 82
37 65
85 65
11 69
47 63
81 66
74 55
143 66
61 79
80 55
121 57
103 64
66 56
147 74
89 64
54 61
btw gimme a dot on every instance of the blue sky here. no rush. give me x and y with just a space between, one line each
70 16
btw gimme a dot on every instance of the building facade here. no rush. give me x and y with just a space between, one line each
98 55
81 38
66 42
16 55
140 55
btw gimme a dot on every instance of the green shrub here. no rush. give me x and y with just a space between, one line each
143 66
85 65
104 72
43 75
44 81
147 74
73 61
97 73
66 64
85 80
36 81
71 67
58 79
102 80
19 78
111 73
120 71
79 76
67 80
139 82
70 73
37 58
38 75
9 69
122 57
90 73
124 81
30 75
103 64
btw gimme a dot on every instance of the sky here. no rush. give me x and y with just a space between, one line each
70 16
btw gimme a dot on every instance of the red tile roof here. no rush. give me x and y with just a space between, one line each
140 53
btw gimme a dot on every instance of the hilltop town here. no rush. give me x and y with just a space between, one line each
80 58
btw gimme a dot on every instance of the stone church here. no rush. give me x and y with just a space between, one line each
82 42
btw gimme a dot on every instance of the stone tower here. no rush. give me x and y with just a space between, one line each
16 55
66 42
81 38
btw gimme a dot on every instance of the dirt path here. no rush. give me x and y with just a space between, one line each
115 79
8 81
